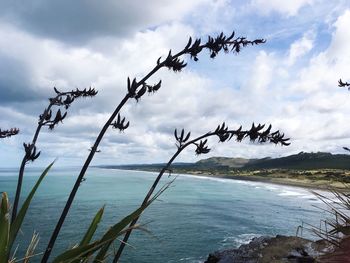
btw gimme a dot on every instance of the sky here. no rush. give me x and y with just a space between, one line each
289 82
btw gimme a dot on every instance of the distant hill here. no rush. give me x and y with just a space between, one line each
302 160
224 161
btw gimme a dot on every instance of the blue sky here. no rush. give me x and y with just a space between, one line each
290 81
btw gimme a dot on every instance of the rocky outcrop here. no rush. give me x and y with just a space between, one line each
272 250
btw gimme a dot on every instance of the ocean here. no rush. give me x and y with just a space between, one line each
194 217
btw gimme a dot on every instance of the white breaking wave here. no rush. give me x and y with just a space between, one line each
241 239
280 190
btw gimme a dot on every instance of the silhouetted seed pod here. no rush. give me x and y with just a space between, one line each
343 84
202 148
187 137
188 43
158 60
175 134
56 90
182 134
30 152
8 133
224 137
141 92
68 100
119 124
132 87
48 115
157 86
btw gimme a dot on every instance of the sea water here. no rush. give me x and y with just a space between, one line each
192 218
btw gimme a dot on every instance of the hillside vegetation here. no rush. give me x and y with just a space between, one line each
318 170
302 160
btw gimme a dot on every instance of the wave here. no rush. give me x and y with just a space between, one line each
280 190
239 240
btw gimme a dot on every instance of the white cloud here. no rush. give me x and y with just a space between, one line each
287 7
81 21
301 99
212 16
262 74
301 47
327 67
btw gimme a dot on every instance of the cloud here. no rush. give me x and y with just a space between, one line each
287 8
290 83
14 80
328 66
80 21
262 73
301 47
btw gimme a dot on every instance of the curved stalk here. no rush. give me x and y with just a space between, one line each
146 199
86 165
172 62
254 133
41 123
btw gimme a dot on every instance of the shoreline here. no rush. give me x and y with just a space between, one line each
324 185
276 181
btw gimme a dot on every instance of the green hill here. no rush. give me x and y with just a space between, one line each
302 160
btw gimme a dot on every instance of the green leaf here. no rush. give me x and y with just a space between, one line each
102 253
89 233
92 228
115 231
17 223
4 228
118 229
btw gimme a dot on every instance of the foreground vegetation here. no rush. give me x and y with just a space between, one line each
99 249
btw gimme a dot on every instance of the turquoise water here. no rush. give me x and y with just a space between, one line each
194 217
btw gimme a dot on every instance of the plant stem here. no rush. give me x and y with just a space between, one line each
79 179
267 137
151 190
175 65
23 164
24 160
89 159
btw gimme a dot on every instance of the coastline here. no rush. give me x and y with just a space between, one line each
324 185
302 183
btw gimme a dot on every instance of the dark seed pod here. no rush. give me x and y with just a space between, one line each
343 84
120 124
8 133
202 148
141 92
174 63
30 152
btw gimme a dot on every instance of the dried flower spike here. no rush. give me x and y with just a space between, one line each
181 139
343 84
30 150
8 133
202 148
119 124
174 63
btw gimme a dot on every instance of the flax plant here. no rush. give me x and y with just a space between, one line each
335 229
97 250
61 100
8 133
256 133
136 89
